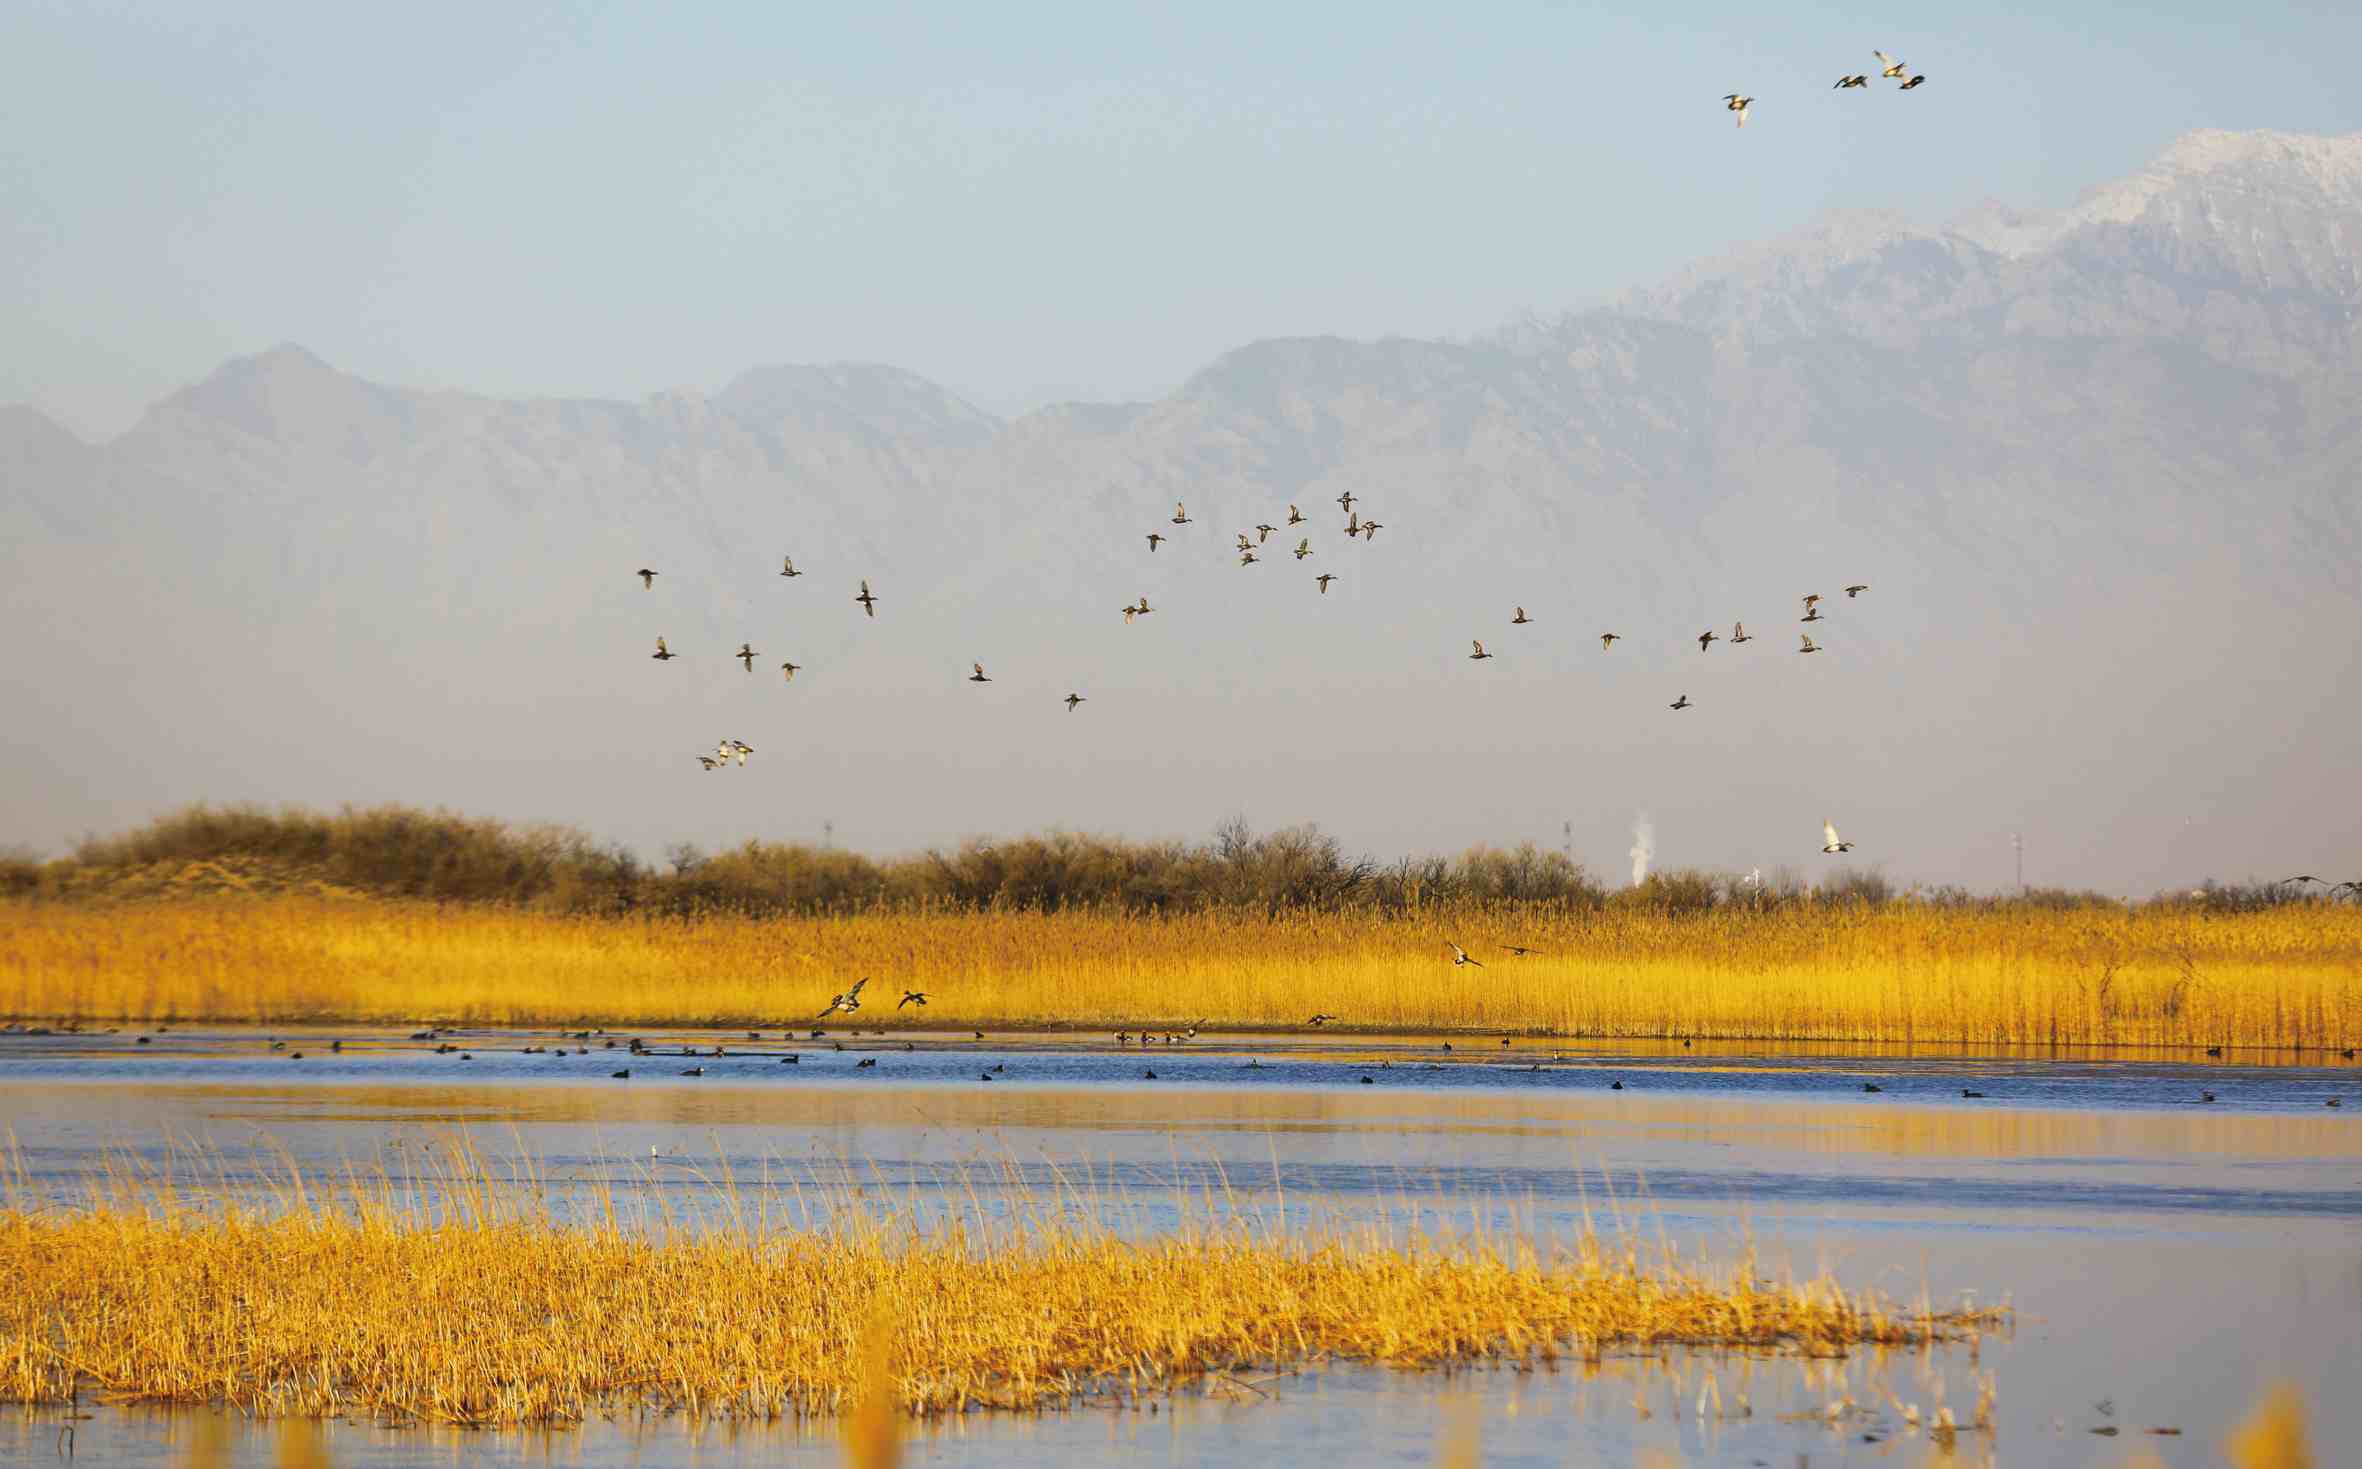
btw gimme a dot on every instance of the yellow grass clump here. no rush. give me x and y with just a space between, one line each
2290 976
480 1307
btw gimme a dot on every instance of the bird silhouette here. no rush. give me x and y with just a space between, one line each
1520 950
1907 86
1520 619
1263 533
1680 703
1155 538
1072 700
1345 502
1607 641
978 675
662 652
1738 633
709 762
1460 957
912 997
647 578
1830 841
746 655
869 604
1323 1018
1857 589
1809 645
1737 104
1324 579
1893 67
787 566
787 672
1303 548
1480 652
1852 81
1706 637
1180 513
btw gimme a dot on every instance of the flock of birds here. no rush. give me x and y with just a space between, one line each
1356 528
1889 70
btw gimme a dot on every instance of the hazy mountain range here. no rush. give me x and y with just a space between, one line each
2098 466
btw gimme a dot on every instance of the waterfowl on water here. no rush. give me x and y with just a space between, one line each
1964 1091
1872 1087
623 1075
869 604
865 1061
694 1071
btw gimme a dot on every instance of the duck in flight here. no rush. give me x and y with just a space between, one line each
662 652
787 672
1893 67
1324 579
1607 641
1738 633
1737 104
1907 86
1345 502
1520 950
1303 548
869 604
1480 652
1811 614
1461 957
787 566
1155 539
1247 558
739 748
1263 533
1370 529
1852 81
709 762
1295 516
1180 513
1809 645
912 997
1243 543
1323 1018
1830 841
1857 589
1706 637
848 1002
978 675
647 578
746 655
1072 700
1680 703
1520 619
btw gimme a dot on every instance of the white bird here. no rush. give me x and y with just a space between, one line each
1830 842
1460 956
1737 104
740 748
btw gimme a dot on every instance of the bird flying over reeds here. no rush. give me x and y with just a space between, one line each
848 1002
912 997
1830 842
1461 956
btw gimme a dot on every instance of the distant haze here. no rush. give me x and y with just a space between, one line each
2096 465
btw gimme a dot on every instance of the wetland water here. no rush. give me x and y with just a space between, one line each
2168 1257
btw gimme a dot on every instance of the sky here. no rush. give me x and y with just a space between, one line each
1025 203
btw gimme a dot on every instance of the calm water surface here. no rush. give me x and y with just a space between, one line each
2168 1256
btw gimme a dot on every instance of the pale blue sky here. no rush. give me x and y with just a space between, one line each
1075 199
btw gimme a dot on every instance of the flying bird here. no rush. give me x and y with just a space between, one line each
1811 614
1520 950
1247 558
1295 516
1345 502
787 566
1520 619
647 578
1323 1018
1243 543
869 604
1303 548
848 1002
739 748
1680 703
746 655
1907 86
1155 538
978 675
1852 81
1480 652
1830 841
1180 513
1809 599
1460 956
1738 633
662 652
1893 67
1263 533
1352 524
912 997
708 761
1324 579
1737 104
1607 641
1370 529
1072 700
1809 645
787 672
1857 589
1706 637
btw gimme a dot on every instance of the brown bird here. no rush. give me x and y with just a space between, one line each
1243 543
1852 81
1072 700
1295 516
869 604
1263 533
787 566
1324 579
1809 645
662 652
1811 614
1706 637
709 762
1857 589
1460 957
978 675
1809 599
1907 86
1180 513
912 997
1345 502
787 672
1323 1018
1607 641
1520 619
1155 538
1480 652
1303 548
1247 558
746 656
1370 529
1738 633
647 578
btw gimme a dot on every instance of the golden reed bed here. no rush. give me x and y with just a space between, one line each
2290 977
480 1308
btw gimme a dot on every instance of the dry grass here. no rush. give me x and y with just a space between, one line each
2290 976
482 1308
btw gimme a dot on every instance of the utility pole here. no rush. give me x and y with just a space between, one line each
2017 843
